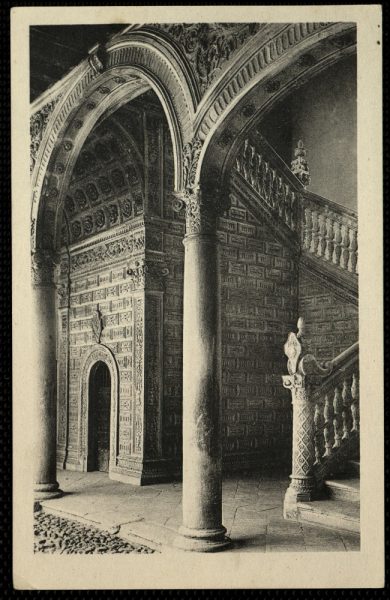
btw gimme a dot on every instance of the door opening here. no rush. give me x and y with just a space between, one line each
99 418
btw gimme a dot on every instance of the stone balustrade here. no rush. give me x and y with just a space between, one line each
329 232
325 401
336 407
270 181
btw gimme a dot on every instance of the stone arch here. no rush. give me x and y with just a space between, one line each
296 54
112 76
97 353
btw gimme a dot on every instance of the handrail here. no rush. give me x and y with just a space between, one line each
325 418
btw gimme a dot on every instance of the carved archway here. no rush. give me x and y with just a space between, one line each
124 68
295 55
97 353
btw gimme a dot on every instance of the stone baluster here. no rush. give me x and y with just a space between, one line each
294 209
347 398
43 390
338 418
321 235
355 403
307 229
315 232
319 437
202 528
336 243
352 261
344 255
303 374
329 239
328 429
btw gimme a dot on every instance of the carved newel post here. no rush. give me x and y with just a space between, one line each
304 375
44 368
202 528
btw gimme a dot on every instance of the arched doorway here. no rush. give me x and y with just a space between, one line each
99 418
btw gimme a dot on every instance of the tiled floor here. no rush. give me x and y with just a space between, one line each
252 513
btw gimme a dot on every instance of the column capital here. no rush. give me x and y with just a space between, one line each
43 265
202 207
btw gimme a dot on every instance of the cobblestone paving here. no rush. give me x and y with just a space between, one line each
56 535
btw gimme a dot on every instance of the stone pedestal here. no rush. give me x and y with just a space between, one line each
202 528
43 389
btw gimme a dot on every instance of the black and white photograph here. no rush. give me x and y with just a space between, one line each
196 305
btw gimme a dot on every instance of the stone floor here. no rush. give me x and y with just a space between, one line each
150 515
56 535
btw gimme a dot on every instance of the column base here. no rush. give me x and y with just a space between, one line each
202 540
47 491
302 490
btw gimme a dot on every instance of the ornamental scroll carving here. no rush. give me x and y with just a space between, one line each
38 123
209 45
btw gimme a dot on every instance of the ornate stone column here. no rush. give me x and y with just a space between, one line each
202 528
304 375
44 365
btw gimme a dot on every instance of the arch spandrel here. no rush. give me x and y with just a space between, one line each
221 135
121 71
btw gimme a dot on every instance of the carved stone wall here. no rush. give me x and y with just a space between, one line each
102 282
133 273
259 300
332 324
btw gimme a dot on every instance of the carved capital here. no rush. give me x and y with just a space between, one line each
43 267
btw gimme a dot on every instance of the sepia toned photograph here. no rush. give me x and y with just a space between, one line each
195 289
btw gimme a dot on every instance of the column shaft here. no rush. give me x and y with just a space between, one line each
44 390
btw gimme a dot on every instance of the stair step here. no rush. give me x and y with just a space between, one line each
333 514
343 489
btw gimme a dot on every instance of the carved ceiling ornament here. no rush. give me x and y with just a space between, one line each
209 45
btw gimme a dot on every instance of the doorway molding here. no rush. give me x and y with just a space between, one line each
98 353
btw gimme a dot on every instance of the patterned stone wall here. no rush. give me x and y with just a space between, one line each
99 278
259 300
332 324
133 271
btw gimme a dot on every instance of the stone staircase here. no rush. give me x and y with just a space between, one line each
339 505
325 483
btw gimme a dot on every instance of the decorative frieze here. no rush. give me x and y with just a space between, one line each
107 252
38 123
